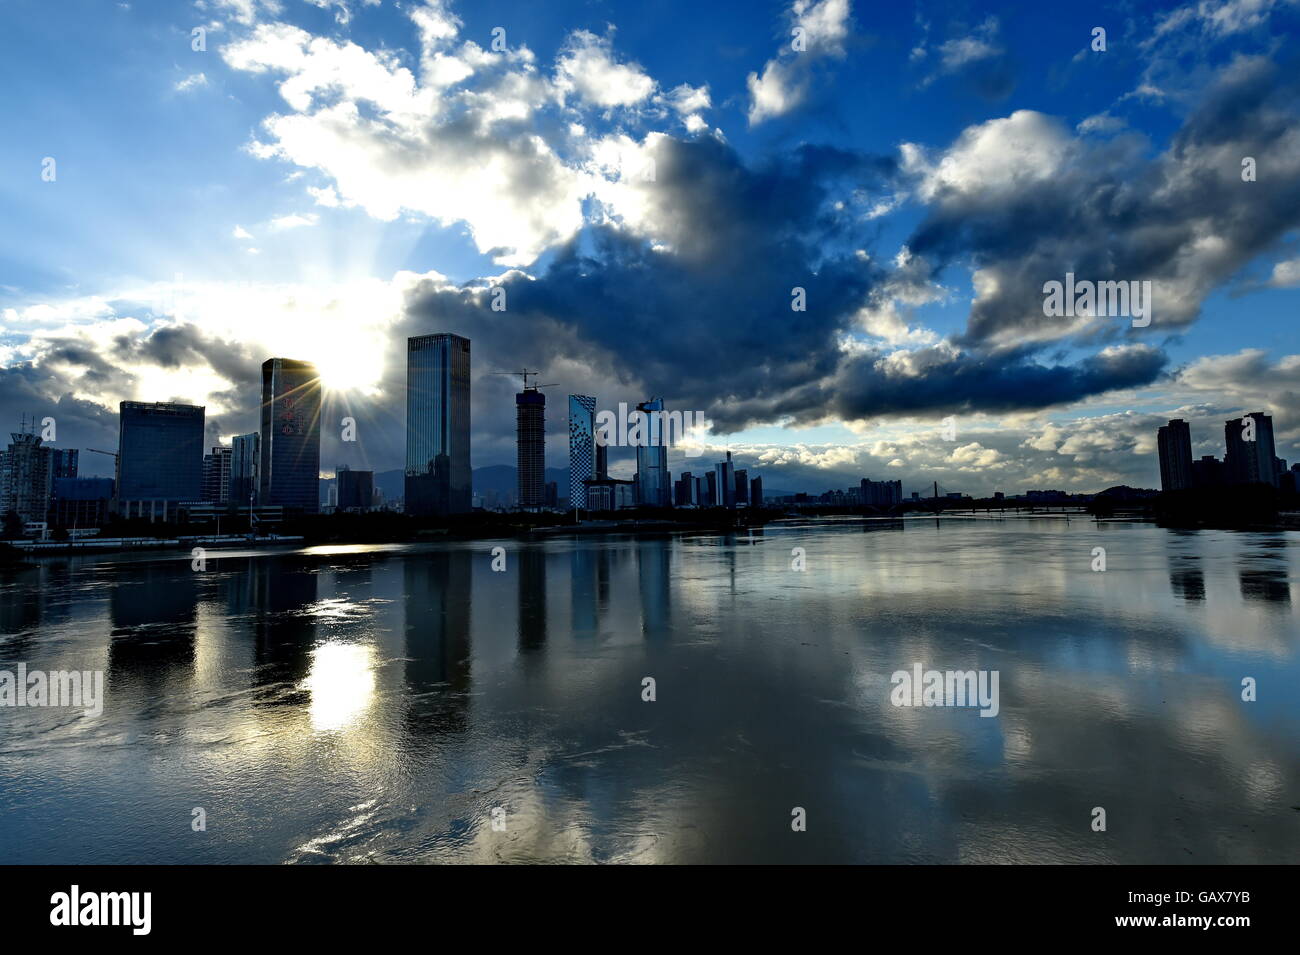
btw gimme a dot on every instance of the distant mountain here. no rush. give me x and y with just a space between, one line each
503 478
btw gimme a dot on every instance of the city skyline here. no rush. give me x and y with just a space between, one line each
906 221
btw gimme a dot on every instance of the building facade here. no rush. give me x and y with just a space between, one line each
216 475
530 441
160 458
438 480
654 483
289 472
25 476
356 489
1251 455
1175 444
582 447
245 465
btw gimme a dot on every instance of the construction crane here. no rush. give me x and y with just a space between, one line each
525 374
111 454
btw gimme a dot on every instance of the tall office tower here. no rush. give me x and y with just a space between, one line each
1175 442
725 483
160 458
530 438
63 463
654 484
245 462
602 462
710 496
356 489
742 487
216 475
756 491
1249 462
438 480
291 406
582 447
25 477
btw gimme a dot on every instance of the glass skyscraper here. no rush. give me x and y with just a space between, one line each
654 488
582 447
245 454
290 452
160 457
438 479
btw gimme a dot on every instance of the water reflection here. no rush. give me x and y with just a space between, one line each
378 703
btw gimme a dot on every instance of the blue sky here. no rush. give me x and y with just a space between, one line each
325 178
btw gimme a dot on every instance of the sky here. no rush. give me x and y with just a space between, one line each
647 192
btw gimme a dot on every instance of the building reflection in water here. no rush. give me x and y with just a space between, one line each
654 568
532 598
437 629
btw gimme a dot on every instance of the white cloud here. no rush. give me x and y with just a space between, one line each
292 221
587 66
241 233
191 82
786 78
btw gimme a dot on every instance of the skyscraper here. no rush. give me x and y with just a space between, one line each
438 480
725 483
1250 461
63 463
654 487
530 438
160 458
1175 442
582 447
290 446
245 464
216 475
25 477
356 489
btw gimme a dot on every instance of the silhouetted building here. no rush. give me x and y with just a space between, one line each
63 463
742 487
245 463
654 483
25 477
530 440
1250 461
160 458
1175 443
216 476
710 488
290 445
724 483
356 489
552 496
1207 472
582 447
80 502
438 480
882 494
756 491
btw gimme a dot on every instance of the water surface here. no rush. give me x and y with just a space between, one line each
378 703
